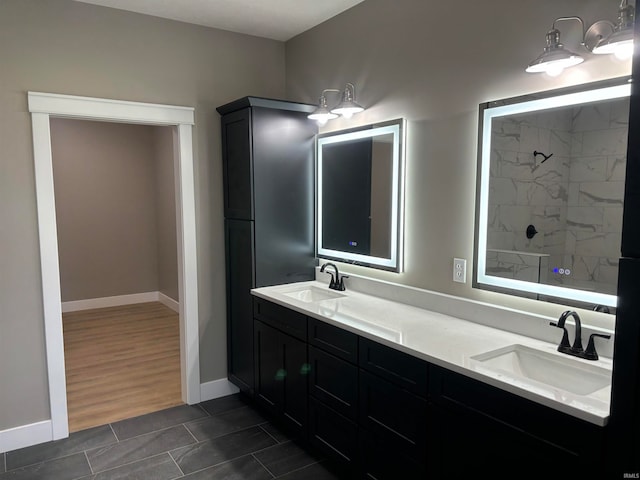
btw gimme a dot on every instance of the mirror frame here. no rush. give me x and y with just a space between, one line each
585 93
397 128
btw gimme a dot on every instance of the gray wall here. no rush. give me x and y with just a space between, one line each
61 46
105 187
434 63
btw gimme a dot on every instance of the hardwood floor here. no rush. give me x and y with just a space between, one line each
121 362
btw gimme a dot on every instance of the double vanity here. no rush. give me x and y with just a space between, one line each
391 381
385 387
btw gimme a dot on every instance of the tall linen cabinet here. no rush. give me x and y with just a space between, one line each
268 169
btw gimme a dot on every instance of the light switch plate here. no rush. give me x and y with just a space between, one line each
460 270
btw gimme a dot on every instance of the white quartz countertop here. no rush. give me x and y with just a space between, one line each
442 340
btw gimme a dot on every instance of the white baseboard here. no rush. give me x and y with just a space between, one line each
25 436
216 389
119 300
169 302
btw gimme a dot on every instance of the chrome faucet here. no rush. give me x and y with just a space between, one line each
337 282
576 349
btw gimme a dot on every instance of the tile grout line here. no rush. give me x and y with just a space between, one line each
241 429
263 465
143 434
270 446
176 464
130 463
190 432
265 431
140 459
88 462
41 462
204 410
114 433
306 466
223 462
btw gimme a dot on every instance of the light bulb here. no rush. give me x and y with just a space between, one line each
624 51
554 69
347 115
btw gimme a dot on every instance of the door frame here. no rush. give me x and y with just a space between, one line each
42 106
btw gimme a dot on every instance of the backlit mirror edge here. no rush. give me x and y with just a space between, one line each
395 263
609 89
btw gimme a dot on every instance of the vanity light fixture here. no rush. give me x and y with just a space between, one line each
347 107
620 41
603 37
322 114
555 58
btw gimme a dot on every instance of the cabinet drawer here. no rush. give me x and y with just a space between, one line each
285 320
334 382
394 415
334 340
331 433
404 370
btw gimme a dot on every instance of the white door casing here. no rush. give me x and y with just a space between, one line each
42 106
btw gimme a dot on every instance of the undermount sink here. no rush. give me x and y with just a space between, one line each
541 367
313 294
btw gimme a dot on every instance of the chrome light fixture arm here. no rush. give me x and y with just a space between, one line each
346 107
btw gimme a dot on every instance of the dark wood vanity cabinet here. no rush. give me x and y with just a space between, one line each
379 413
393 414
333 390
281 365
268 177
482 431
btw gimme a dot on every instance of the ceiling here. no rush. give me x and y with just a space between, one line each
275 19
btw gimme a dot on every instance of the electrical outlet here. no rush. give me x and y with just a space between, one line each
460 270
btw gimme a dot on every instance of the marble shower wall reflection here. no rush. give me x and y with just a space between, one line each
574 198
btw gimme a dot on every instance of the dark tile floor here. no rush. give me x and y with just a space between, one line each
219 439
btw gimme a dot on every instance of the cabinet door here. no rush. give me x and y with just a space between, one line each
394 415
381 461
333 435
237 165
334 382
471 445
269 366
506 436
239 263
296 368
283 172
281 376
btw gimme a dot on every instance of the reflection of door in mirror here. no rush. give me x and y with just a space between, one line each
381 201
346 196
572 194
356 196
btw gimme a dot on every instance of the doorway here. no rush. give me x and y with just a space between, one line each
117 247
42 106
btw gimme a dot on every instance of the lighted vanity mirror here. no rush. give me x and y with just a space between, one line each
550 194
360 195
